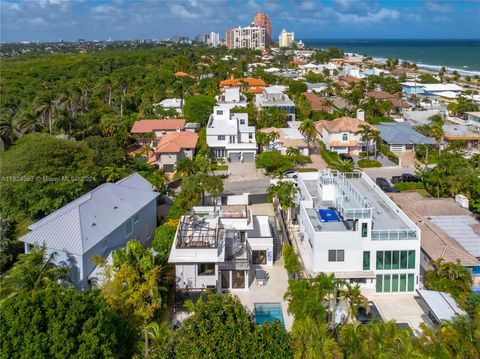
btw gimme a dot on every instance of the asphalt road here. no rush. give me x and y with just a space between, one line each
387 172
255 186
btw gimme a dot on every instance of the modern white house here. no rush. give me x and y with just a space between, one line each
340 135
231 97
95 224
348 226
170 104
429 89
229 136
274 96
221 248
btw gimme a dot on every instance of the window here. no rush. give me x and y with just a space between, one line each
379 283
206 269
135 219
128 227
242 121
364 229
232 139
238 279
221 138
379 259
250 136
386 283
403 282
345 137
411 259
411 282
387 262
219 112
336 255
366 260
395 260
259 257
394 282
403 259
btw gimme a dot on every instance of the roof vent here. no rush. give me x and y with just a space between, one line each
92 224
114 207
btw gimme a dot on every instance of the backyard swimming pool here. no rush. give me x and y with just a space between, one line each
268 312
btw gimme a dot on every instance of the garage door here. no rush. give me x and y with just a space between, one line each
248 157
235 156
396 148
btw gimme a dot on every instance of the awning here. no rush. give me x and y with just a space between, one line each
354 274
442 306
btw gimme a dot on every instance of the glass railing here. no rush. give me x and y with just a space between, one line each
393 234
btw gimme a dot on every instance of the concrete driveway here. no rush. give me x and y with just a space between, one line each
387 172
245 171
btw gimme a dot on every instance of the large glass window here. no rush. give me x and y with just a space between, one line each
364 230
411 282
395 260
345 137
395 282
403 259
259 257
411 259
225 275
403 282
206 269
366 260
128 227
388 260
379 284
379 259
238 279
386 283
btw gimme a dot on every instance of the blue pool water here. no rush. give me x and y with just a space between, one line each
268 312
328 215
476 290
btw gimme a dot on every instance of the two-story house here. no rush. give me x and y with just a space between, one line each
229 135
219 247
147 131
95 224
340 135
231 97
274 96
348 226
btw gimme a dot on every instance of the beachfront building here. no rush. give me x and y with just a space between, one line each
95 224
348 226
340 135
221 248
229 136
274 96
231 97
402 137
409 88
250 37
286 39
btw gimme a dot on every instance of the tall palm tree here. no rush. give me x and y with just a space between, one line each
210 184
156 339
185 167
307 128
34 270
46 106
284 193
365 132
354 297
376 141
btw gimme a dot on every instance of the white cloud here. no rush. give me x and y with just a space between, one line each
438 8
38 21
308 5
370 17
181 11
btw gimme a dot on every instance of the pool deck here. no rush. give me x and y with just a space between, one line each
272 292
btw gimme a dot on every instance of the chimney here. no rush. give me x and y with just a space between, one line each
360 114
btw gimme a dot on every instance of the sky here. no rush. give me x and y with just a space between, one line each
52 20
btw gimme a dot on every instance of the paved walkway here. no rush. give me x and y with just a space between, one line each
317 162
245 171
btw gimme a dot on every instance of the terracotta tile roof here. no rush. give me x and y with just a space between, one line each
248 81
256 90
342 124
145 126
350 79
435 242
317 103
181 73
298 62
176 141
380 95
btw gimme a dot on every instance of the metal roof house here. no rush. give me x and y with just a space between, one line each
95 224
401 137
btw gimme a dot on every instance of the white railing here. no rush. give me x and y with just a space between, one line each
393 234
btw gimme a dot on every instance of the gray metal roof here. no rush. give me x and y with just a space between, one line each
441 304
84 222
460 229
401 133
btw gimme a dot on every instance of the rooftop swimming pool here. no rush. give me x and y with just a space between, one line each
268 312
328 215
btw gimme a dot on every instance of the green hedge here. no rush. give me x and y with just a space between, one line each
405 186
391 156
330 157
364 163
307 169
219 167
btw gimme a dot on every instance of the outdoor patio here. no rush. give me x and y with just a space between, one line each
272 292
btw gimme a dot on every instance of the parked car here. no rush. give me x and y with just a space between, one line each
406 177
382 182
346 157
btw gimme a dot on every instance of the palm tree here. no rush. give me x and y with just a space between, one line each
185 167
158 179
312 340
343 166
212 185
284 193
376 141
307 128
355 299
365 131
46 107
34 270
114 173
9 131
156 339
436 129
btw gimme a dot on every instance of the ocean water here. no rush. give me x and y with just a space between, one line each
460 55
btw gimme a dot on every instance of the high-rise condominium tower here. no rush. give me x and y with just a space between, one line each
262 20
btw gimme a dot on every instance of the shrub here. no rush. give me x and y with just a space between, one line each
364 163
292 264
330 157
391 156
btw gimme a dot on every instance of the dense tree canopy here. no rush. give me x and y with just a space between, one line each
198 108
62 323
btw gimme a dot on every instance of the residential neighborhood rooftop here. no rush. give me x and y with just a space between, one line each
145 126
